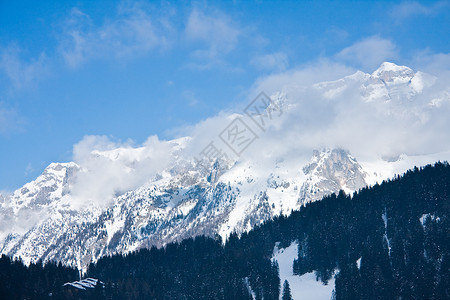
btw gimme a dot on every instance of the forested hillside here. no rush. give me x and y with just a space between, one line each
390 241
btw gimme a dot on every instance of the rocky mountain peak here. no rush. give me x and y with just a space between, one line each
331 170
44 190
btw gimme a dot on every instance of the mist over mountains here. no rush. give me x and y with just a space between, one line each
314 139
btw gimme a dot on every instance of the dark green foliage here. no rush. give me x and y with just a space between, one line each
36 281
286 291
398 232
197 268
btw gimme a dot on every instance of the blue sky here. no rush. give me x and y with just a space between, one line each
130 69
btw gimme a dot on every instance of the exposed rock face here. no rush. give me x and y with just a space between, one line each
330 171
33 203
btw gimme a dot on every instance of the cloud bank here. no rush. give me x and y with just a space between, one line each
368 53
137 29
110 168
133 32
350 110
413 8
275 61
9 119
339 113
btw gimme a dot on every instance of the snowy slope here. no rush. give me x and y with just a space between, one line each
305 286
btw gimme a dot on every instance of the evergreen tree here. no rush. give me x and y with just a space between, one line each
286 291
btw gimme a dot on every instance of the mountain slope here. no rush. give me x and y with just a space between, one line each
385 242
388 241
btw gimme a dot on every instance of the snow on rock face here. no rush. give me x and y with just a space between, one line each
50 185
35 200
389 72
31 206
330 171
388 82
392 82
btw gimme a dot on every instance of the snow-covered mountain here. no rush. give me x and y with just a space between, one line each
45 220
330 171
388 82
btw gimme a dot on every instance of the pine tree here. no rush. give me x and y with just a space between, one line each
286 291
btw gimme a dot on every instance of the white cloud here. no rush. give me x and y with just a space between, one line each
311 119
412 8
368 53
9 119
4 193
217 33
134 31
190 97
111 168
277 61
436 63
19 71
344 119
29 169
301 77
336 34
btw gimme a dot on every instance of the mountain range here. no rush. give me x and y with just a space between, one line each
46 220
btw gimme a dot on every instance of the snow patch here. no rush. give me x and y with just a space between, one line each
250 290
305 286
384 217
113 227
424 217
358 263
